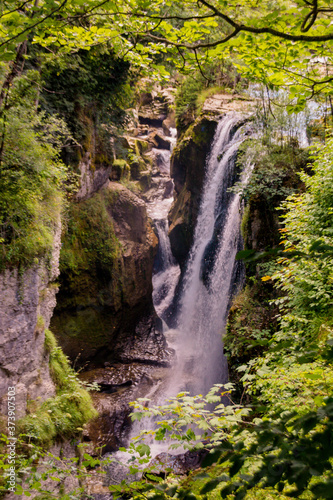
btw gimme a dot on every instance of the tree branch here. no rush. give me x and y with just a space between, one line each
192 46
271 31
199 66
312 15
20 7
29 28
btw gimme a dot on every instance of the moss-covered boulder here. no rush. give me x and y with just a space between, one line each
106 274
188 171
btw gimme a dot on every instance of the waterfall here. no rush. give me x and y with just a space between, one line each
166 270
208 278
210 269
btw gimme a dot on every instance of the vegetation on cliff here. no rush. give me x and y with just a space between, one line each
62 416
31 177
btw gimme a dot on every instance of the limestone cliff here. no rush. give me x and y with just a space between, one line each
27 301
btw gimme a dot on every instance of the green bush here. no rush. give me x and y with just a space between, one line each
186 100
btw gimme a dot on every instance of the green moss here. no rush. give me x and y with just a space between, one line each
134 186
63 415
206 93
121 169
90 241
245 223
31 183
200 132
90 263
40 325
50 342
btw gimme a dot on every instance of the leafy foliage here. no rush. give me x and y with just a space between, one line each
88 89
31 179
285 44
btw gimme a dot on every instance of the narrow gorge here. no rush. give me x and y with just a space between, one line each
166 275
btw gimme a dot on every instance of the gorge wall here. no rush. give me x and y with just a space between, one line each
104 310
27 300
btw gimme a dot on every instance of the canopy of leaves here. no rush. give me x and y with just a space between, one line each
288 42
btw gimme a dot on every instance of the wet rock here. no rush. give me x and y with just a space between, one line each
147 346
188 162
160 141
126 382
169 122
116 375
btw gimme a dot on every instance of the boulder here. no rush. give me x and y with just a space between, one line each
159 141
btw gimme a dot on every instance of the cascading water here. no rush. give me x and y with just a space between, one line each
208 279
165 280
167 271
210 270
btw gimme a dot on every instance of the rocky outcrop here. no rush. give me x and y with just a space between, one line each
92 178
154 107
106 281
218 104
120 384
27 301
188 170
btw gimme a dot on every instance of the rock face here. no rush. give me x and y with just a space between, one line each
154 107
120 384
92 178
100 304
188 170
26 305
218 104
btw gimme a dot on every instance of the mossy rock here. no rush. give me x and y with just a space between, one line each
120 170
106 266
137 167
188 163
145 180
